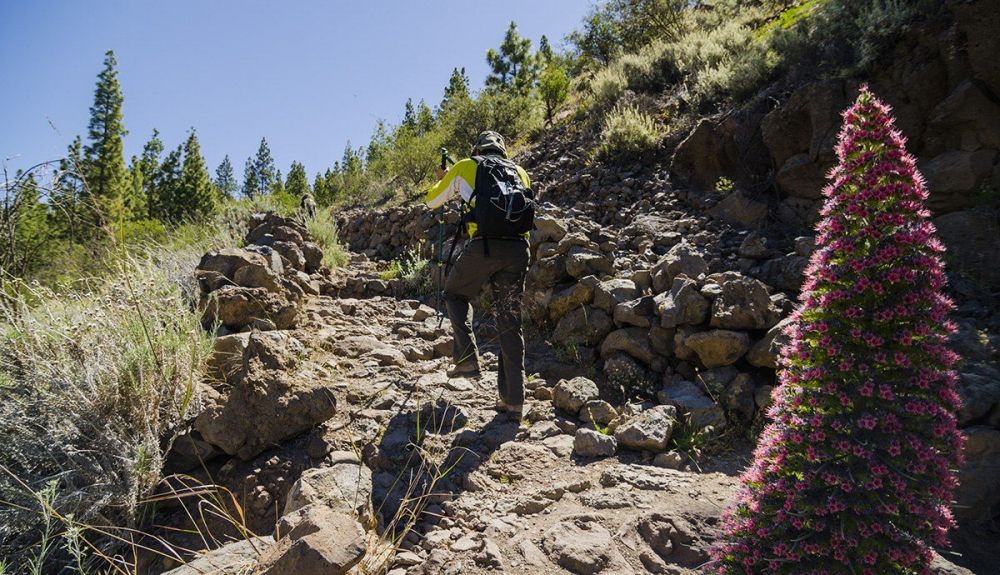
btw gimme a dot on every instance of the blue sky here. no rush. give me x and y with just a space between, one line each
307 75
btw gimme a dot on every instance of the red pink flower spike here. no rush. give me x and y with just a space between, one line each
855 471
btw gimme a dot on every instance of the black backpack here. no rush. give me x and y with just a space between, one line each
505 207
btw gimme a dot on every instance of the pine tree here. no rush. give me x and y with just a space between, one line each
150 165
278 185
854 473
225 179
545 53
297 183
263 166
105 171
195 197
514 66
251 182
135 200
425 118
379 144
457 89
320 190
409 116
163 203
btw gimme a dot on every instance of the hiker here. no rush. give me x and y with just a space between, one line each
497 211
308 206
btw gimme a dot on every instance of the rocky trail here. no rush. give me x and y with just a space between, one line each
341 446
491 494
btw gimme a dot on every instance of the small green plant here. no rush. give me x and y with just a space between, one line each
414 270
567 352
724 186
628 134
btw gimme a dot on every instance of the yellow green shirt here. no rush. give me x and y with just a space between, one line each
460 181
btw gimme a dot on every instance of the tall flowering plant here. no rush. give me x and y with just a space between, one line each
855 471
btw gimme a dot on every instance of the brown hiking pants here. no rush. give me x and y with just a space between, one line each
504 268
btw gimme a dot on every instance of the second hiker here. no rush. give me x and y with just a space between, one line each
497 211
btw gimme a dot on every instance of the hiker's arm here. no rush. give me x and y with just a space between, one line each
524 177
458 181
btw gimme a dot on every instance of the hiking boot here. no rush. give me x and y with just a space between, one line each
512 410
464 369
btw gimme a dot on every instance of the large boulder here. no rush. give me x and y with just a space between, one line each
966 120
228 261
598 411
313 255
583 326
718 347
238 308
321 541
682 305
978 23
344 486
806 123
801 177
266 404
227 355
979 387
650 429
744 303
719 147
291 253
547 229
570 395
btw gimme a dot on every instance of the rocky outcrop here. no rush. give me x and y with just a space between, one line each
268 402
261 285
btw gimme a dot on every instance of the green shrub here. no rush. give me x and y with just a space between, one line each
653 68
607 87
628 133
415 271
553 87
323 229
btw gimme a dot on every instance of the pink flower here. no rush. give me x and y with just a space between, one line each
865 382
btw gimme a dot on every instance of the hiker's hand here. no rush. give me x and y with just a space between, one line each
440 172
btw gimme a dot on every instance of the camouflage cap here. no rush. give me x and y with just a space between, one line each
490 141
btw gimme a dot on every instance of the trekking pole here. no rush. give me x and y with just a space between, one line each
445 162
